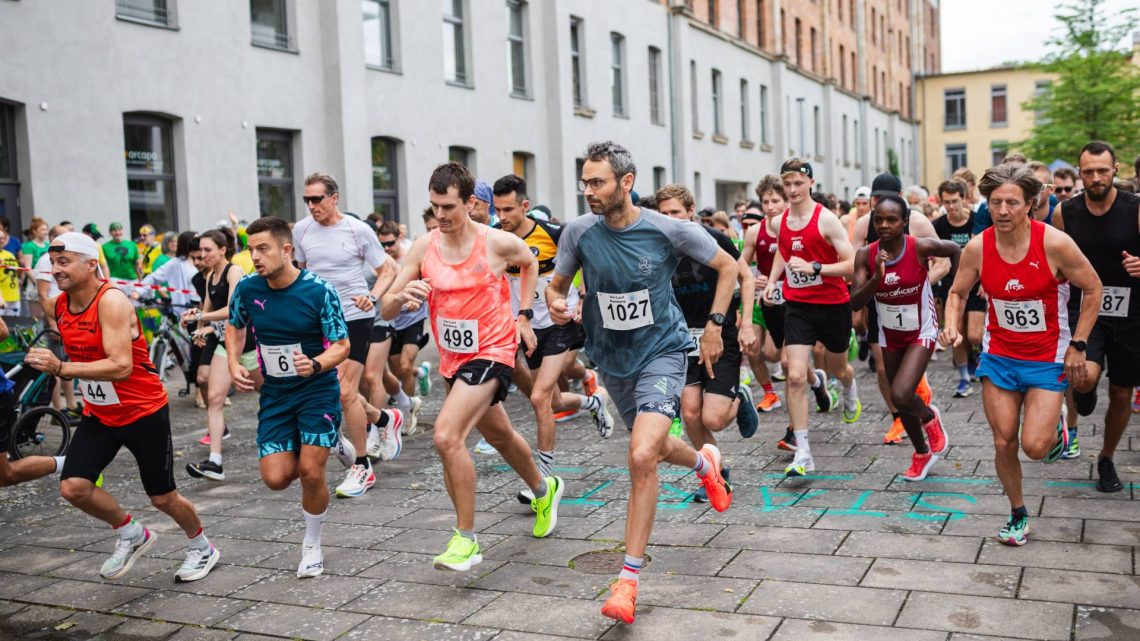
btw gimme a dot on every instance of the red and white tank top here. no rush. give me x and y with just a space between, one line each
1028 315
469 307
810 245
113 403
904 299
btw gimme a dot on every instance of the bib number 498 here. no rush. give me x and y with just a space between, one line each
459 336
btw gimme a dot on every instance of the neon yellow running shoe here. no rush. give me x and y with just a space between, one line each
461 555
676 429
546 508
99 481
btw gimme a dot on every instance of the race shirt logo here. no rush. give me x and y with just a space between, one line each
891 279
645 266
797 245
1014 285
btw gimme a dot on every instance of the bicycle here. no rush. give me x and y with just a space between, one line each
171 346
38 429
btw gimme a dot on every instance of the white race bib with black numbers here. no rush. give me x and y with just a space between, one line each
899 318
778 294
799 280
1020 316
696 333
459 336
278 359
1114 301
624 312
98 392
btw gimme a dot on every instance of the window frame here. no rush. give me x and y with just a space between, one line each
287 137
168 177
717 96
389 44
124 9
457 24
999 92
619 95
656 113
578 83
958 149
959 98
745 112
283 39
764 113
518 52
387 196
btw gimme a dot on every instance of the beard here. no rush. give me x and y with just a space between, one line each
609 206
1097 193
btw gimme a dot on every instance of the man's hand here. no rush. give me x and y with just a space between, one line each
950 337
1131 265
524 333
303 364
43 360
363 303
560 311
242 381
800 265
414 294
747 338
712 346
1075 366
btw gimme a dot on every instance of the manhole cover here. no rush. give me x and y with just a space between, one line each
601 562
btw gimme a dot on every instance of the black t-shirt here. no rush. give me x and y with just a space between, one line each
960 234
694 286
199 282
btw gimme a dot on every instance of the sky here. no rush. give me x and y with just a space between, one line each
978 34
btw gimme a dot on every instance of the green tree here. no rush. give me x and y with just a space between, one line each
1096 94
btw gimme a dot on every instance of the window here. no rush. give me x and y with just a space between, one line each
799 43
813 45
854 74
9 171
998 151
149 153
714 18
693 98
842 65
763 114
577 64
275 173
579 166
516 46
886 150
955 109
878 167
522 164
761 37
817 133
855 131
955 158
740 30
385 188
156 12
745 116
783 33
269 24
874 34
839 9
882 32
998 95
658 178
697 186
874 83
846 157
717 104
454 48
1040 88
462 155
655 86
617 72
378 34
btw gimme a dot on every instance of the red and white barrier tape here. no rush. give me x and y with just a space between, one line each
116 281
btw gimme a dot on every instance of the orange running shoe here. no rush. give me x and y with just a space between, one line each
718 489
590 383
936 434
622 602
568 415
923 390
895 435
771 401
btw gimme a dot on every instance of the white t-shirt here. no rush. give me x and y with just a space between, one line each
43 272
341 254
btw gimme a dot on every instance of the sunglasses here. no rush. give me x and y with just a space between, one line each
314 200
1063 190
387 243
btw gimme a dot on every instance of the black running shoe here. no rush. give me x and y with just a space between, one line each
206 469
823 400
1107 480
864 350
1085 402
788 442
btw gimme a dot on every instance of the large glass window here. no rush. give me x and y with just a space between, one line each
998 101
275 173
955 110
694 104
385 188
655 86
763 114
269 23
378 46
9 172
955 158
577 62
149 154
998 151
617 69
717 104
454 49
745 112
761 38
462 155
516 45
150 11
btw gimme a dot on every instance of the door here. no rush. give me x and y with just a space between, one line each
10 203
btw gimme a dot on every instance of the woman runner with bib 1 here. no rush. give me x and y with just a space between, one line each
893 270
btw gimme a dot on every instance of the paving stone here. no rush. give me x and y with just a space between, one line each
133 629
325 591
26 559
881 521
34 617
445 520
1108 624
797 517
1091 588
223 580
181 607
141 572
202 634
778 539
843 604
408 600
293 621
88 624
964 502
510 635
1112 532
1103 509
974 614
261 529
15 586
544 580
910 546
692 592
1061 556
418 568
692 561
68 537
802 630
527 549
243 551
347 535
341 561
84 596
1040 528
390 629
431 541
932 576
689 534
655 623
788 566
570 617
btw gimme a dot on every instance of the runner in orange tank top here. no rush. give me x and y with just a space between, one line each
460 271
125 406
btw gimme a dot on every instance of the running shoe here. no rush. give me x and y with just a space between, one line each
963 389
702 495
603 420
823 398
1136 401
344 451
205 440
513 389
197 565
1057 450
359 480
1074 450
677 428
312 562
461 555
414 415
483 447
852 406
1085 402
622 602
126 553
923 390
1015 531
567 415
206 469
779 375
714 483
787 443
546 508
590 383
771 401
99 481
1107 481
895 434
373 444
423 378
936 436
864 349
852 348
972 367
525 496
747 418
801 465
745 376
920 465
392 442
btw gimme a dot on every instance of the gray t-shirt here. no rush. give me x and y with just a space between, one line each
629 312
341 254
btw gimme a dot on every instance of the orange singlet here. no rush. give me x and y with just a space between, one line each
113 403
470 307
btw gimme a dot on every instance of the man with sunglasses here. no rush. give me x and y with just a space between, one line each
339 249
1064 183
408 338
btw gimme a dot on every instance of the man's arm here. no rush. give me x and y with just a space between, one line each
968 272
863 283
834 232
1074 266
416 292
115 320
921 227
512 250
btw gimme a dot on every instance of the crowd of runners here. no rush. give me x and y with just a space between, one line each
1022 277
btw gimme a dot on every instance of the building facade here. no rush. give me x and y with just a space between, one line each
174 111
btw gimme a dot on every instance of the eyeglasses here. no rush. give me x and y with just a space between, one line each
594 184
387 243
1063 190
314 200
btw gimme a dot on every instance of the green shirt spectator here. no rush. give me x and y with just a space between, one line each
122 255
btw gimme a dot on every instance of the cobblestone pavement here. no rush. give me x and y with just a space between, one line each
851 552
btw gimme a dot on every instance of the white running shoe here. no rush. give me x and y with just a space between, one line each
126 553
312 562
412 421
374 442
358 481
602 418
802 464
344 451
483 447
393 443
197 565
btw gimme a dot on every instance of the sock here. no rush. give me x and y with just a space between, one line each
895 415
591 403
467 534
199 541
701 468
216 459
815 381
545 463
802 441
964 372
1021 511
382 422
313 525
402 400
58 464
130 529
363 461
541 490
768 389
631 568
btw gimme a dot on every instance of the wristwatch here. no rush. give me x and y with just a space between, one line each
817 267
528 313
1080 346
716 319
372 298
316 365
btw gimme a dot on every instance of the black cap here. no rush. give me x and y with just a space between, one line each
804 168
886 185
92 230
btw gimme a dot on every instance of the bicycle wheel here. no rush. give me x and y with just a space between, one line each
41 431
158 357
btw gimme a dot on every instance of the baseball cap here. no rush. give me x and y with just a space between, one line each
751 215
886 185
863 192
145 229
804 168
115 227
93 230
76 242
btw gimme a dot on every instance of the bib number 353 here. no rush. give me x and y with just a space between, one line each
459 336
626 311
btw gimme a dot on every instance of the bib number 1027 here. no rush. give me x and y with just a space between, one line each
626 311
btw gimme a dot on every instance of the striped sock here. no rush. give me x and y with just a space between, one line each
768 389
591 403
546 463
631 568
701 468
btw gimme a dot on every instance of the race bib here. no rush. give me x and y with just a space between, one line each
778 294
900 318
459 336
98 392
696 333
799 281
1115 302
278 359
626 311
1020 316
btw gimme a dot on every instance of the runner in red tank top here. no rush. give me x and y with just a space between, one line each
893 272
460 271
125 406
1026 358
814 256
